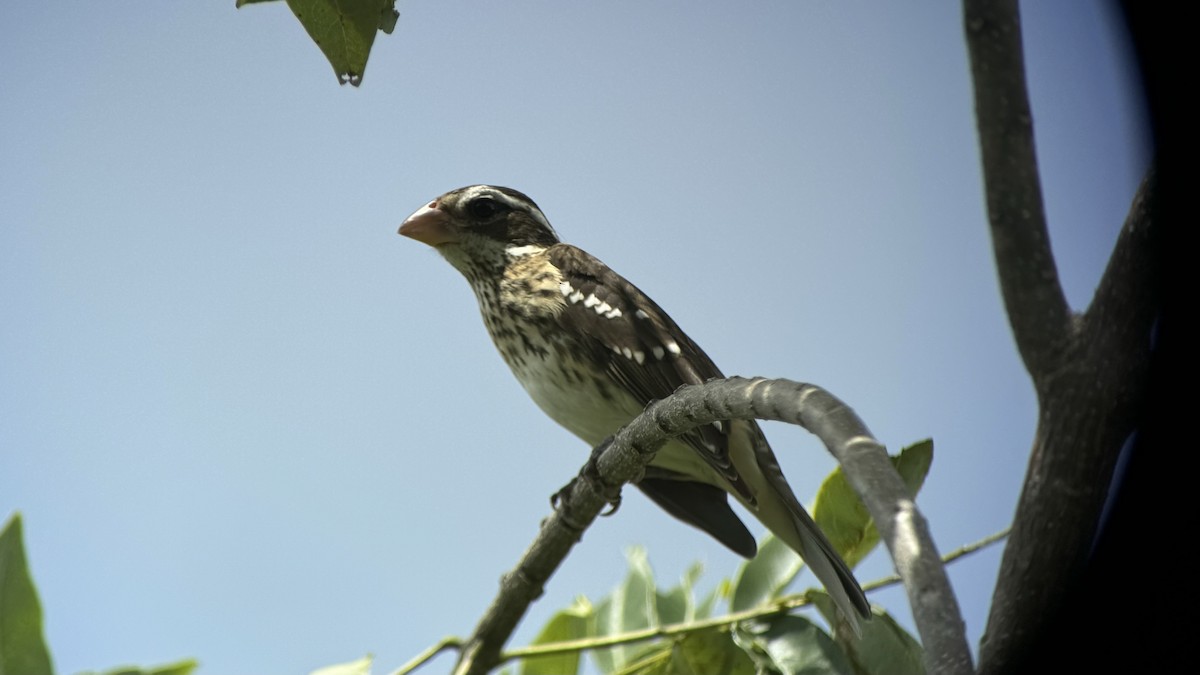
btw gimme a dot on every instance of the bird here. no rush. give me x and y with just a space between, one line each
592 351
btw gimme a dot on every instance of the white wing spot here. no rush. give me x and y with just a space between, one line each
641 315
616 349
616 311
673 348
565 288
591 300
659 352
627 352
639 356
519 251
575 297
602 308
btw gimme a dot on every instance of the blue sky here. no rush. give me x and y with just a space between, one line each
248 423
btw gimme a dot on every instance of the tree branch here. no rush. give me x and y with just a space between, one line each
1033 297
1090 403
863 460
1090 373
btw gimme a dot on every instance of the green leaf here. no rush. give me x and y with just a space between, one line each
652 659
606 659
388 17
632 606
345 31
792 645
841 514
705 608
184 667
22 644
885 648
356 667
568 624
639 596
678 604
710 651
763 577
913 464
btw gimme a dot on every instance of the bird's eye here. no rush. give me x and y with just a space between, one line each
485 208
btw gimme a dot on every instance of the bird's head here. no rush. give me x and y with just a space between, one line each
480 226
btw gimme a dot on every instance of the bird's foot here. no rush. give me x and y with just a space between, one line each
591 474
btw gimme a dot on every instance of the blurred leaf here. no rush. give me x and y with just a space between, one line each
763 577
651 659
598 626
710 651
568 624
388 17
184 667
678 604
639 596
722 590
344 30
841 514
792 645
357 667
22 644
632 606
885 648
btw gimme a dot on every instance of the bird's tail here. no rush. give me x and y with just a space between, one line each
808 540
778 509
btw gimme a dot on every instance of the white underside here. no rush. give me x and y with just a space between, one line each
592 418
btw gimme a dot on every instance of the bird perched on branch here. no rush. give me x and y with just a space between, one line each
592 351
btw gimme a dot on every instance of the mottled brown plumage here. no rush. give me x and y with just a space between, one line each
593 350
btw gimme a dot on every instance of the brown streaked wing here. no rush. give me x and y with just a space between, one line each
645 351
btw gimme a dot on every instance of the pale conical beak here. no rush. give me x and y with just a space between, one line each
430 225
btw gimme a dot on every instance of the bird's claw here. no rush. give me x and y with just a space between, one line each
591 473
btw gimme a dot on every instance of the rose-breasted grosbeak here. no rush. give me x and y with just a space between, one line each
593 350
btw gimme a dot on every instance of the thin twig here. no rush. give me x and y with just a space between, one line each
431 651
781 606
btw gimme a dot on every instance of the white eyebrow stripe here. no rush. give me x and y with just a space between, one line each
512 202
